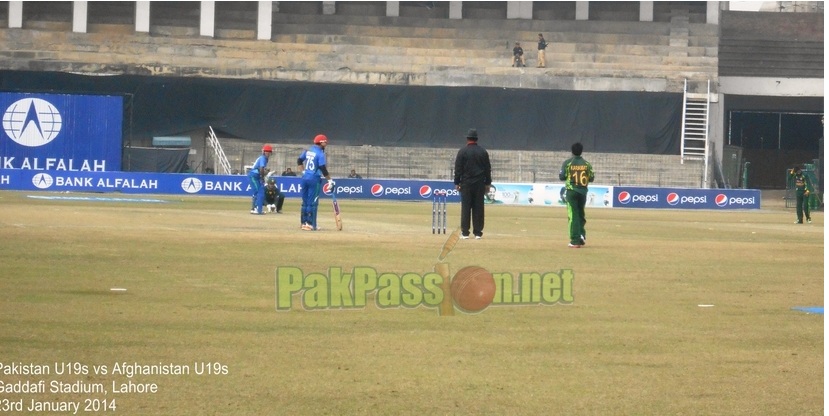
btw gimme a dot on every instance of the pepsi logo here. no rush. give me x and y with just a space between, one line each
447 192
327 188
721 200
694 200
425 191
645 198
377 190
673 198
349 190
741 201
624 197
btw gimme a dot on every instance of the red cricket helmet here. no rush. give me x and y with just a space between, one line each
320 138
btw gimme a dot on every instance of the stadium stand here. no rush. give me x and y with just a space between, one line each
364 48
359 44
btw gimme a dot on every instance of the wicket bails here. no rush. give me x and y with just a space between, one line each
439 212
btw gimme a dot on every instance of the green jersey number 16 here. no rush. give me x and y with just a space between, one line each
579 178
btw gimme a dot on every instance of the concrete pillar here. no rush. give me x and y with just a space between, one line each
456 10
393 8
527 10
79 16
519 10
329 7
646 11
142 16
15 14
264 20
582 10
512 10
712 12
207 25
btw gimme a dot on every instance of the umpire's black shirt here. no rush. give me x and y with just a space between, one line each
472 166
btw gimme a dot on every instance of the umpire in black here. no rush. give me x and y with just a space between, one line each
473 176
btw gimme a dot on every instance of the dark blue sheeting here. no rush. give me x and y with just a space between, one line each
381 115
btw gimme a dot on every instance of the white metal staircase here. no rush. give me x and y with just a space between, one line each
221 158
695 110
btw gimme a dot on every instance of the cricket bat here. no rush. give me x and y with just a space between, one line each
449 244
336 204
447 307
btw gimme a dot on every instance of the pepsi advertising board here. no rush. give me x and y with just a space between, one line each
635 197
57 132
391 189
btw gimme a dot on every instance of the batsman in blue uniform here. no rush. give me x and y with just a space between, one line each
312 165
257 175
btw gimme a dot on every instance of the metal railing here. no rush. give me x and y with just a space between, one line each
213 142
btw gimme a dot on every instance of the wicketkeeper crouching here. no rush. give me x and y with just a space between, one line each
273 197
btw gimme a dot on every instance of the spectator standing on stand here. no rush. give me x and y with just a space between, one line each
542 46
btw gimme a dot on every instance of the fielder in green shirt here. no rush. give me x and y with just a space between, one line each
576 174
802 188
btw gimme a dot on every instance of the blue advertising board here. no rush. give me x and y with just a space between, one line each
381 189
125 182
680 198
58 132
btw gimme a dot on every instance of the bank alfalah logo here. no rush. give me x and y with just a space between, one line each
32 122
191 185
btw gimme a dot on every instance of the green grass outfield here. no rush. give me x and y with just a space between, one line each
199 275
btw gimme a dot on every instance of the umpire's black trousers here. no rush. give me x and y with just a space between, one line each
472 205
